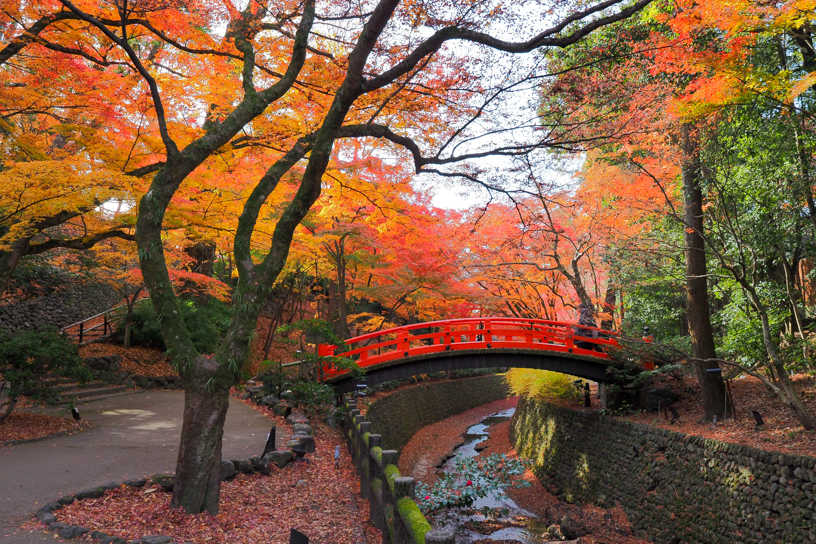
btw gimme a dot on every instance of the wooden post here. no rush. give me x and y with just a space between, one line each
404 486
365 458
402 342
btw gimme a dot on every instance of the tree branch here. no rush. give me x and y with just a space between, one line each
86 242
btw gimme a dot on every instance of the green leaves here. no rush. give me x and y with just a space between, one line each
28 358
474 478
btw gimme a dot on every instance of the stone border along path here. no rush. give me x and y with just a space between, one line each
131 436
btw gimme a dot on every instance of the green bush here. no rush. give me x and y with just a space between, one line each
312 396
28 358
206 322
144 327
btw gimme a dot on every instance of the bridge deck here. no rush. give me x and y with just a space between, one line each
439 337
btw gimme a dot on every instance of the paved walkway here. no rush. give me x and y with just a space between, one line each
133 436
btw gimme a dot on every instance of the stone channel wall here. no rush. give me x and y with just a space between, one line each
374 439
674 487
401 414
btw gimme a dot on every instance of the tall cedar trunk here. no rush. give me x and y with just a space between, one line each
608 320
198 468
699 314
342 310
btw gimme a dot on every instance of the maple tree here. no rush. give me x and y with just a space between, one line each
62 153
350 71
556 248
661 99
52 204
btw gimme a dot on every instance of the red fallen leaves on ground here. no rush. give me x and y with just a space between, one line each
280 351
26 426
137 360
313 497
782 432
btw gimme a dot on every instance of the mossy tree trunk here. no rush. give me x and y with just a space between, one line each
198 478
208 378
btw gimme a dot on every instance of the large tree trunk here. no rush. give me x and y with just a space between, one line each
608 315
342 309
198 469
699 314
9 261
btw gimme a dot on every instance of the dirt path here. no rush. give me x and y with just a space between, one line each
433 444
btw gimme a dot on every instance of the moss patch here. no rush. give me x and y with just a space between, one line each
414 520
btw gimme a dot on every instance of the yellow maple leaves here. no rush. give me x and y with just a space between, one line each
33 191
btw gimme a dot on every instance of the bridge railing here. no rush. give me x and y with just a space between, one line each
477 333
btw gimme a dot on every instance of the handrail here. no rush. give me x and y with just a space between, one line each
106 325
477 333
102 313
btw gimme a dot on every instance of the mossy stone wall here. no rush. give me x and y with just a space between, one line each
673 487
401 414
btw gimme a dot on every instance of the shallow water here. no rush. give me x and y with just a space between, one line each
535 532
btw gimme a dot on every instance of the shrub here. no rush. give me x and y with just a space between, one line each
274 378
312 396
542 384
206 322
28 358
144 327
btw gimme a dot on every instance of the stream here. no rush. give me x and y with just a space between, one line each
527 529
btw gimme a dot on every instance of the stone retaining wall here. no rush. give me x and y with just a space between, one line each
59 309
402 413
674 487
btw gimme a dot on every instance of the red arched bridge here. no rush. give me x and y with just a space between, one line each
459 344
